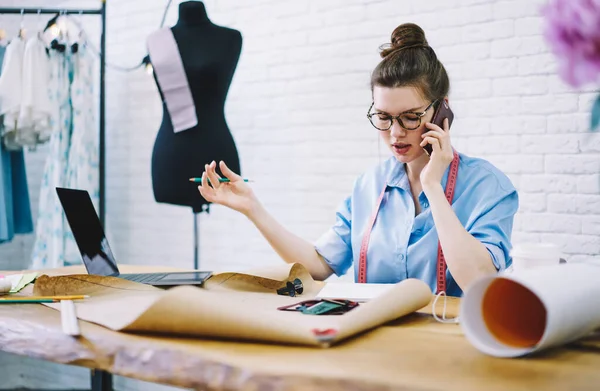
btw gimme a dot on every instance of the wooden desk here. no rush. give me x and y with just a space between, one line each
414 353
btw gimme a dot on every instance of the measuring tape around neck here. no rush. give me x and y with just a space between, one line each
441 261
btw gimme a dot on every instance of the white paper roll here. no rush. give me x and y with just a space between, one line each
5 286
526 311
70 324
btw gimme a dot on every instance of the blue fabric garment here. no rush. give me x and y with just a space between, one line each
15 209
403 245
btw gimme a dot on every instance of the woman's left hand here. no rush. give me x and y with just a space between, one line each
441 157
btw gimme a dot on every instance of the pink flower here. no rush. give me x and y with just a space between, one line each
573 33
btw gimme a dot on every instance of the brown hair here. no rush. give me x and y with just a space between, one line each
409 61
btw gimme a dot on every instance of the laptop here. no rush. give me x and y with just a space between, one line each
95 251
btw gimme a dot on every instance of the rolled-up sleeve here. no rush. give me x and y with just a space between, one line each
335 244
493 227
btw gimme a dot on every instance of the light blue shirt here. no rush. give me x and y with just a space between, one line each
403 245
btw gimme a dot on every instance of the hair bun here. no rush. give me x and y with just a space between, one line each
405 36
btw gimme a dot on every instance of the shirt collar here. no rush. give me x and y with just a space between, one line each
397 175
398 178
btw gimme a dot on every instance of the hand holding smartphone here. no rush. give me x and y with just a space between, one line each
441 112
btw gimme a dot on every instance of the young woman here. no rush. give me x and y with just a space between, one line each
398 214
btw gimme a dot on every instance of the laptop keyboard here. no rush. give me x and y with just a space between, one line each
144 277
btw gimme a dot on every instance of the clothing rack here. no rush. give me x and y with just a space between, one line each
102 114
100 380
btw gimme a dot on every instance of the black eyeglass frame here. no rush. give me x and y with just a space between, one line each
397 117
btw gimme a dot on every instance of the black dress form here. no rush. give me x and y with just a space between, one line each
210 54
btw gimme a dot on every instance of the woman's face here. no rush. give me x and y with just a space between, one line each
403 143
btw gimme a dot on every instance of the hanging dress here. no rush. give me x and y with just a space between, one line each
11 86
15 208
73 158
33 125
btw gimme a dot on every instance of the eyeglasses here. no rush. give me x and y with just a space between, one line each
409 120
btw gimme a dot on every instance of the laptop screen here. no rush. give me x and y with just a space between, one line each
88 232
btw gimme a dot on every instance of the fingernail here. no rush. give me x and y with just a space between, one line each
213 162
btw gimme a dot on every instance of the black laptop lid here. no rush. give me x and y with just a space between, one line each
88 232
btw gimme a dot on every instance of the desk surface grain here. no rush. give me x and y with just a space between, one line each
413 353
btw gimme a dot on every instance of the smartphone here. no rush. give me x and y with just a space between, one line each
443 111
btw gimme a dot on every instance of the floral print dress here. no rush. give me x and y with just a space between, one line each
73 160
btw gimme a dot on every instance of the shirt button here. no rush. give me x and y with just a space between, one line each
425 204
402 257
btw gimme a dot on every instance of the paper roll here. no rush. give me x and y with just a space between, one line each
517 314
5 286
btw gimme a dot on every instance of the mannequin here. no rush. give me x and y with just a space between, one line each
209 54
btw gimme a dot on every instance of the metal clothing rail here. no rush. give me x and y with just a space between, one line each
102 136
49 11
100 380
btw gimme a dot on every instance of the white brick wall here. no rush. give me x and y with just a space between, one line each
296 109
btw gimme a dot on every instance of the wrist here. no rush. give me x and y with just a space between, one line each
255 211
432 188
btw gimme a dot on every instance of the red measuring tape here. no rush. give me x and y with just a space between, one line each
441 261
